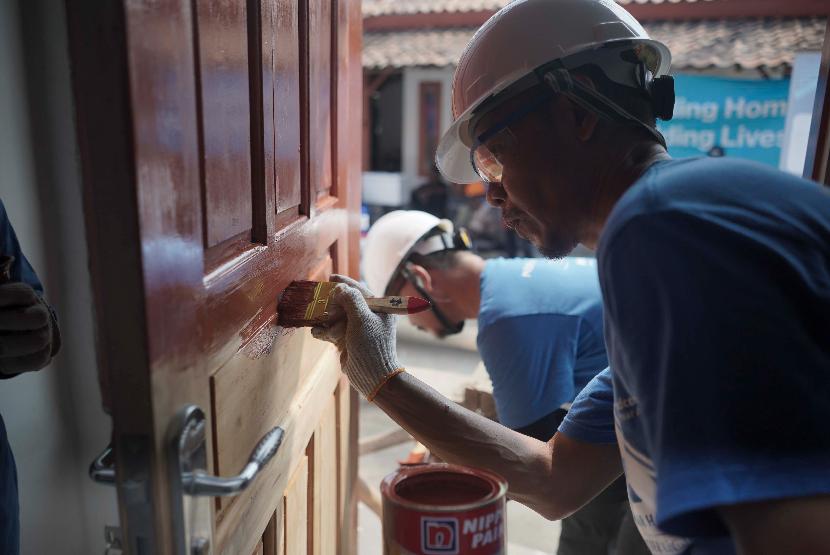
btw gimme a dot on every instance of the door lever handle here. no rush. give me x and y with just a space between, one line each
200 483
102 469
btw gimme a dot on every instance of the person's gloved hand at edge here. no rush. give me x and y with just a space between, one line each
27 331
366 340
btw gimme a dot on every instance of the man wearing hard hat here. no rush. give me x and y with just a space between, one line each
539 336
715 276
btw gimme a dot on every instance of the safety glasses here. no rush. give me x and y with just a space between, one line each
490 146
448 327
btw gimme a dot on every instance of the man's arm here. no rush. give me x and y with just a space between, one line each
554 479
797 525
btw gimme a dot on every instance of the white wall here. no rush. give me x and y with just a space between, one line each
803 83
53 417
412 78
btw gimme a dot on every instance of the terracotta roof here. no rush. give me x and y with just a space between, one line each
372 8
748 43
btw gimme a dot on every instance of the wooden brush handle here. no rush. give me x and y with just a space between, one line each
397 305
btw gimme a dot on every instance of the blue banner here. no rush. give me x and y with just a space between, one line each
740 118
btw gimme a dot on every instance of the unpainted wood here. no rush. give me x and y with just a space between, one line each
248 515
345 424
296 511
325 482
273 540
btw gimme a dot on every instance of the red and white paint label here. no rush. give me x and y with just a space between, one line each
475 532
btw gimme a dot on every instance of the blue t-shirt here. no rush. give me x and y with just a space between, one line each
716 282
539 333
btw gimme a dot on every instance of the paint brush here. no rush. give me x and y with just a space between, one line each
306 303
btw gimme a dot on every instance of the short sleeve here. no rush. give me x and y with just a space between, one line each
591 416
530 360
719 333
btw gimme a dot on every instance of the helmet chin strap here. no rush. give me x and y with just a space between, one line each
448 328
561 81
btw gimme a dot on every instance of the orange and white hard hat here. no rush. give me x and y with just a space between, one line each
504 56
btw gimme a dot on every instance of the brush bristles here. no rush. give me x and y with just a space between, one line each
293 306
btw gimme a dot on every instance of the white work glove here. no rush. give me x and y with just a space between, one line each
25 329
366 340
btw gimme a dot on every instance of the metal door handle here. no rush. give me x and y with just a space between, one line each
202 484
102 469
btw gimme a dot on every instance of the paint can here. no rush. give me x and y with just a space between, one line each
443 509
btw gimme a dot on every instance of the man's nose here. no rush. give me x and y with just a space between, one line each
495 194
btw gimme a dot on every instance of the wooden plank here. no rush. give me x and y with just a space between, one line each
381 441
254 391
296 511
261 55
325 482
349 118
224 107
347 468
320 80
817 166
273 531
343 447
248 515
133 75
287 109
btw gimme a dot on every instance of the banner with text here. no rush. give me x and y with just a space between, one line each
728 117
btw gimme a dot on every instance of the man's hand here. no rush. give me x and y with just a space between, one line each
25 329
366 340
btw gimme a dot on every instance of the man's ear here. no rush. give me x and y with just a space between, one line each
421 276
585 121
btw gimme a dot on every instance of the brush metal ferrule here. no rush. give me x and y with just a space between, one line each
317 309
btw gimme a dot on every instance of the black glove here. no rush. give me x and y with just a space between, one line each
27 334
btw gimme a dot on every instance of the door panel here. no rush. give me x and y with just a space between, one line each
220 163
287 116
223 81
320 83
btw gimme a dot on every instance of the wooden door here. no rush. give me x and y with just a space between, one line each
817 165
221 160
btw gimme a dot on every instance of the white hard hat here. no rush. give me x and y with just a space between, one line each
528 34
397 235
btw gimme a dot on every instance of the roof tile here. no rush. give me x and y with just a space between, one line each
372 8
748 43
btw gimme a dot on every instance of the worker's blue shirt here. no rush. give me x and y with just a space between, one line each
539 333
716 283
21 270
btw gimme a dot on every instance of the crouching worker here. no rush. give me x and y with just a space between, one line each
539 336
